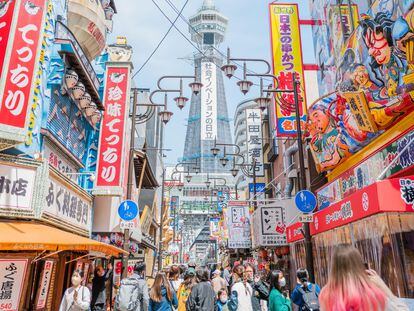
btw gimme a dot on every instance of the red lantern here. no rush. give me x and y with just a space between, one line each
285 250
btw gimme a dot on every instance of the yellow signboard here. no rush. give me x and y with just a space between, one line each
287 62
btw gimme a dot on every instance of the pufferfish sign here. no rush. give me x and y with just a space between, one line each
371 97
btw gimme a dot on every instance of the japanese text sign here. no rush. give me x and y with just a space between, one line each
254 140
287 63
16 187
111 145
12 273
208 101
22 55
67 205
44 284
238 222
6 18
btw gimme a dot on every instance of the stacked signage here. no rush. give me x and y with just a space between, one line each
254 140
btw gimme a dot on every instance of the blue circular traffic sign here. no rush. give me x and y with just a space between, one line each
305 201
128 210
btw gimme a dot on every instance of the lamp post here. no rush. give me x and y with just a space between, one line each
245 85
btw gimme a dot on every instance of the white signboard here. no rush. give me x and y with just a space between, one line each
267 221
44 284
12 273
127 225
59 162
16 187
238 221
254 140
68 205
208 101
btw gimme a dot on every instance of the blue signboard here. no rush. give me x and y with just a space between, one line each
222 200
128 210
305 201
260 187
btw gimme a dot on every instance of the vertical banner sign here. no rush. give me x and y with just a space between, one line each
111 144
254 140
44 285
21 55
238 220
287 62
208 101
214 228
12 273
6 18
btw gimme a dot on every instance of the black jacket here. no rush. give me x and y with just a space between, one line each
99 287
260 292
202 298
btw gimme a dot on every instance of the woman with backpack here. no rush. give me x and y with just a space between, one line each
351 287
241 291
277 300
305 295
184 290
162 296
77 297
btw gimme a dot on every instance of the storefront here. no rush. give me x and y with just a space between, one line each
379 221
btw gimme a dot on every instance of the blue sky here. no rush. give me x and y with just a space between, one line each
248 36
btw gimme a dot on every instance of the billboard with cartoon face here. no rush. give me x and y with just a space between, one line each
367 78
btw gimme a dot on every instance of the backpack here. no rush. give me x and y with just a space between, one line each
129 296
310 299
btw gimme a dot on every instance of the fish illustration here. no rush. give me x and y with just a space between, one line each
4 7
31 8
117 78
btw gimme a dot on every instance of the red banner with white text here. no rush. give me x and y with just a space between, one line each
111 156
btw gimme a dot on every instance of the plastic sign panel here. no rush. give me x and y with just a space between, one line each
254 140
19 53
287 63
208 101
12 275
111 155
238 222
128 210
305 201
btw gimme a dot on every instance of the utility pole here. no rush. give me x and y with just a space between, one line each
302 181
130 179
160 250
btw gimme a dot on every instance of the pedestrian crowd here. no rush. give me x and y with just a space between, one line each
350 287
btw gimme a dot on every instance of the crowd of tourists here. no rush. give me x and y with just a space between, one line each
351 287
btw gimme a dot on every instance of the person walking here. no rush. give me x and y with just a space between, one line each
217 281
162 295
184 290
260 290
77 297
202 297
241 291
351 287
227 274
174 277
278 301
133 291
101 276
305 295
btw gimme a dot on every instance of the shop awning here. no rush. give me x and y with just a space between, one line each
149 181
27 236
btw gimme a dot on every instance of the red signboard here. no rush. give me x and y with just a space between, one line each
112 139
294 232
22 56
392 195
6 17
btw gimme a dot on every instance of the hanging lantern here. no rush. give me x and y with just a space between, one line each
71 78
284 250
96 118
90 110
78 90
85 100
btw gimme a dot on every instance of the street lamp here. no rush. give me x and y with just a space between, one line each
208 183
165 116
294 90
215 151
188 177
224 160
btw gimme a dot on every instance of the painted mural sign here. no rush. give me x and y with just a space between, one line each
373 87
287 63
16 88
112 141
389 160
208 101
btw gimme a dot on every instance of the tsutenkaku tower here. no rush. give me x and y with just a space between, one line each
208 117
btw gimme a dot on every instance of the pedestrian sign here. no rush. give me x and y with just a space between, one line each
305 201
128 210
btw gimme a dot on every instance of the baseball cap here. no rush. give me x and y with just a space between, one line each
190 271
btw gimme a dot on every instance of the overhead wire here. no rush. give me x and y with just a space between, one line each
162 40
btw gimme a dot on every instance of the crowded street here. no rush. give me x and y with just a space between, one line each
206 155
